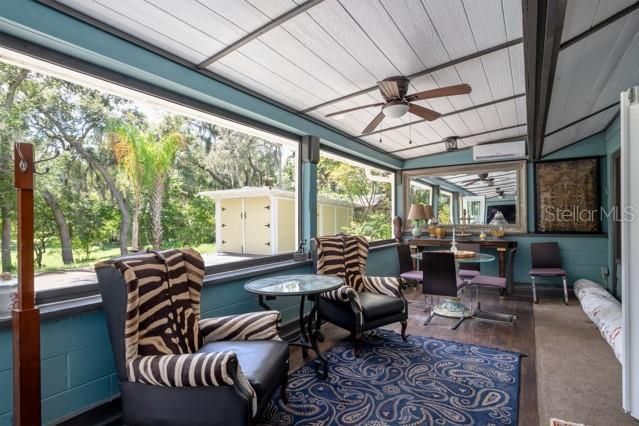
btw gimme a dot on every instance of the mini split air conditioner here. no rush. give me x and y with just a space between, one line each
500 151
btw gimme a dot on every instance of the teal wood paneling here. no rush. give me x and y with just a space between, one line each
34 22
383 262
594 145
464 156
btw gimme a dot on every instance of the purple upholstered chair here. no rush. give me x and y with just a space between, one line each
546 262
406 270
468 271
501 283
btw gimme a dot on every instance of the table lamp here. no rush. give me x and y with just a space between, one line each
416 213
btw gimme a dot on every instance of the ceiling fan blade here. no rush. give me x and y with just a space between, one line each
389 89
373 124
458 89
344 111
425 113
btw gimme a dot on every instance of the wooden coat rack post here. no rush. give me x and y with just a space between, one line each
26 317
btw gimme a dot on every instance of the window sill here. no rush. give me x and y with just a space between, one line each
382 244
58 308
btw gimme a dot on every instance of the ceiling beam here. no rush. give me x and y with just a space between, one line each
555 16
448 114
543 26
533 24
460 137
423 72
260 31
603 24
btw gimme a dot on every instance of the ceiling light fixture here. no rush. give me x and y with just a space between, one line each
451 143
338 117
395 109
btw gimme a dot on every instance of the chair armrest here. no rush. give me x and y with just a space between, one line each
192 370
344 294
251 326
390 286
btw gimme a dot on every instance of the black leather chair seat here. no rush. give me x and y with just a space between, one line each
261 361
379 305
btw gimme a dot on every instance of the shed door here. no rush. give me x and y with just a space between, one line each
327 219
285 225
257 225
231 225
342 219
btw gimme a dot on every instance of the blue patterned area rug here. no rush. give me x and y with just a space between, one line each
422 381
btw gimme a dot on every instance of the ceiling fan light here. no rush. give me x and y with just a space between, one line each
396 110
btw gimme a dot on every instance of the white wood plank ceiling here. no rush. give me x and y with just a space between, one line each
340 47
591 72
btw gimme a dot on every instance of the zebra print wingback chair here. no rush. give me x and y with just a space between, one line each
175 368
363 302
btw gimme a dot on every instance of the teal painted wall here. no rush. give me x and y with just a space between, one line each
581 257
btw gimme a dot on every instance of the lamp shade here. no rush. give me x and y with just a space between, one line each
428 212
416 212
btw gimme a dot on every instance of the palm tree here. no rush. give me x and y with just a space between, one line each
161 156
129 147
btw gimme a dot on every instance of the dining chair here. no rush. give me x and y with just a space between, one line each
406 270
440 279
546 262
489 281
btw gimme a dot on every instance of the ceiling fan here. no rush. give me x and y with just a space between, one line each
481 177
397 103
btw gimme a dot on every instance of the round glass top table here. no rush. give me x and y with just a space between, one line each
294 285
305 286
453 307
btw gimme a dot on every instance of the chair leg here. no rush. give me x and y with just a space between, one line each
534 290
458 323
565 291
404 326
283 386
430 317
358 345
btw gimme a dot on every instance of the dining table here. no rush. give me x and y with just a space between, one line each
452 306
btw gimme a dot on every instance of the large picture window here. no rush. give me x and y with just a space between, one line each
353 198
132 172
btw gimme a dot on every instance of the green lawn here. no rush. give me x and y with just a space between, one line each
52 258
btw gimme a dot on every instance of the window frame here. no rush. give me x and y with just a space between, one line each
364 162
28 55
